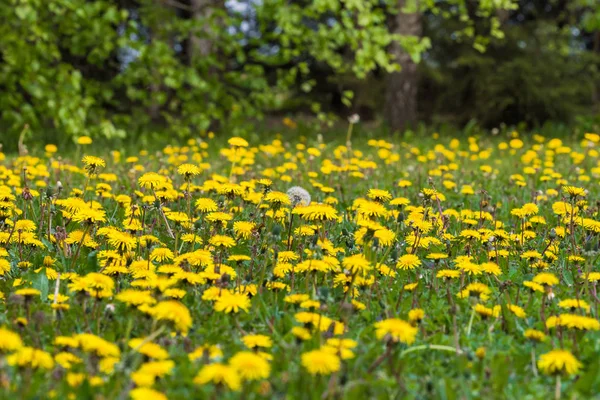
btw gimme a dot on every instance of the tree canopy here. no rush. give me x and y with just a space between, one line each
113 68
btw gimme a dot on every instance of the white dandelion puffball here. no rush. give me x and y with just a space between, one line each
298 196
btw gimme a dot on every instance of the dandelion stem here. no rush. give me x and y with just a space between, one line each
350 287
150 337
238 326
440 347
349 147
50 222
85 185
533 366
164 217
380 359
56 289
542 314
188 196
470 322
330 391
289 238
147 339
85 232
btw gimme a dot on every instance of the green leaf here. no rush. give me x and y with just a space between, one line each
41 283
92 262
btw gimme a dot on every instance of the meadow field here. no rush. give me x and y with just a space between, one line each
225 268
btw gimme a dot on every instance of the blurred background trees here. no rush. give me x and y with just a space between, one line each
544 67
127 67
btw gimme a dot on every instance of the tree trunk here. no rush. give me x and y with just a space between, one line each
401 86
201 46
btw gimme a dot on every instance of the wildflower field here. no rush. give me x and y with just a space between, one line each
433 268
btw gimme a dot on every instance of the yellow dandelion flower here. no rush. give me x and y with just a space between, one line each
558 362
237 142
174 311
219 374
408 262
188 170
320 362
232 302
250 366
397 329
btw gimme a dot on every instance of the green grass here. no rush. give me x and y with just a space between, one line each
492 359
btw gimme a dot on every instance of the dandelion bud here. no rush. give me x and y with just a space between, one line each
347 306
265 388
480 353
276 231
60 234
400 217
27 196
58 374
552 234
225 278
16 300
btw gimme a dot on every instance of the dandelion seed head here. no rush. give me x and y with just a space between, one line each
298 196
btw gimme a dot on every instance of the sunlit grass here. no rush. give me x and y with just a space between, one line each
302 269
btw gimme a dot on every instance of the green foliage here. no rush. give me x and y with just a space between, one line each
113 69
473 24
590 20
479 21
41 86
101 68
540 71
